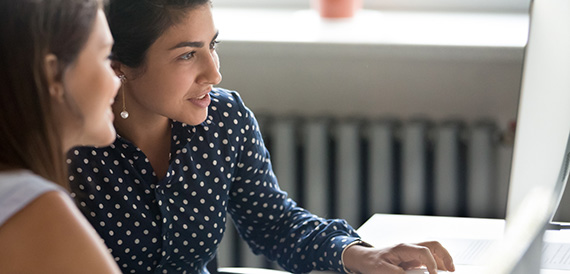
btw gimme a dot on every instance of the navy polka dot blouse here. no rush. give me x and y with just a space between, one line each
174 225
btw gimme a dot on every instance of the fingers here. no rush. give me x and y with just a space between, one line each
428 260
390 268
402 257
438 258
411 265
441 255
415 255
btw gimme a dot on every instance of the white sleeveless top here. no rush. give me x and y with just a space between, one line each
18 189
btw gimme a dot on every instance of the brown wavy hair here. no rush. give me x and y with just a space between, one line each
29 30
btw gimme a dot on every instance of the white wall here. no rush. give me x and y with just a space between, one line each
437 82
379 81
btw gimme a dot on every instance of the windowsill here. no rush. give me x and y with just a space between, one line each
491 30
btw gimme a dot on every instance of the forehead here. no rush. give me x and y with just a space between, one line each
100 36
196 25
101 28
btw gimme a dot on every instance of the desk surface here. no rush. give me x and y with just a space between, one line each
389 229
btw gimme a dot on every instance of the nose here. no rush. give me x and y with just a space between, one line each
211 70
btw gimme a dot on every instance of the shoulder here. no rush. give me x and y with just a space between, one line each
50 232
226 100
18 189
225 95
81 157
228 105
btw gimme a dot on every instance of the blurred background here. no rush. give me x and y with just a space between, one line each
407 106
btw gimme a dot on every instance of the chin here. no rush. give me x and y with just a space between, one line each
196 118
104 137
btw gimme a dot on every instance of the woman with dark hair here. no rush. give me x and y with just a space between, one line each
187 154
56 90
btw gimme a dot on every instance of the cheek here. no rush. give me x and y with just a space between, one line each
102 88
153 91
113 80
162 87
169 83
82 85
97 92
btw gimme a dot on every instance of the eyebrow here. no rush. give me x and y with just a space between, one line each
194 44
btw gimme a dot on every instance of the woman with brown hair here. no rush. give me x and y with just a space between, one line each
56 91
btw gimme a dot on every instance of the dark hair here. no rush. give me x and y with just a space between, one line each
137 24
29 31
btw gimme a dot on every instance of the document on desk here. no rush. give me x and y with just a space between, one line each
468 251
556 256
473 252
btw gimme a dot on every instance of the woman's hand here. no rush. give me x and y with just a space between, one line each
397 259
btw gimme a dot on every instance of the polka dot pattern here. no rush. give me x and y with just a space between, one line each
175 224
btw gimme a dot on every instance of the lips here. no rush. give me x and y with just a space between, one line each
110 110
202 101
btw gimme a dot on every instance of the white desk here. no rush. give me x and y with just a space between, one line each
388 229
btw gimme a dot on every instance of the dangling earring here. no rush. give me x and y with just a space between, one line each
124 113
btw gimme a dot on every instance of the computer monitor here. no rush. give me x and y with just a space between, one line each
543 122
540 167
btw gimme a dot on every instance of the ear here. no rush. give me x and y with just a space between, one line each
117 67
53 76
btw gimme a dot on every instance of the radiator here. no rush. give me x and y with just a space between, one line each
353 168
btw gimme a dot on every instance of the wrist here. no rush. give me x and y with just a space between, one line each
352 251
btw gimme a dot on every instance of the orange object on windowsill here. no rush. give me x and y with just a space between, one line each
337 8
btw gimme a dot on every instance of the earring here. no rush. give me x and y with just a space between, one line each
124 113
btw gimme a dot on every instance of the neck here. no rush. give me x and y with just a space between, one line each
141 128
150 132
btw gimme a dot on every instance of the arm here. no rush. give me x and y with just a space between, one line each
268 220
51 234
274 225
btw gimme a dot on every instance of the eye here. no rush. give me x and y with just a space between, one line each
108 58
213 44
188 56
